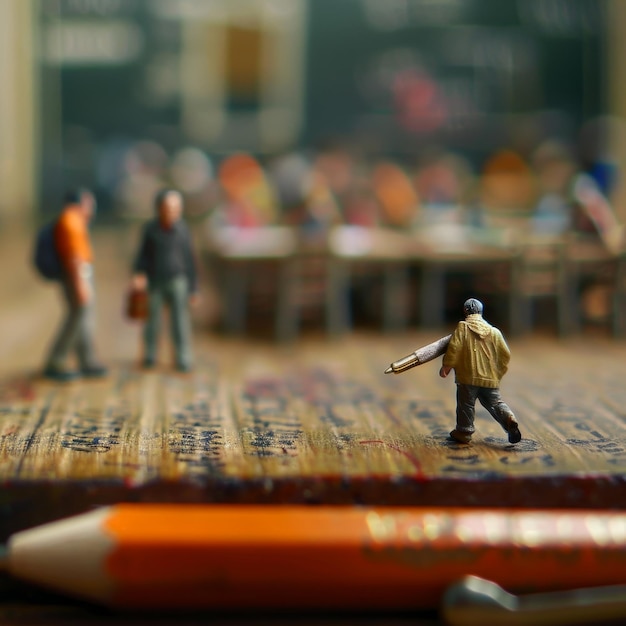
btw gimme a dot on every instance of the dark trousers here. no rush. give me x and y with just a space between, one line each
490 398
175 294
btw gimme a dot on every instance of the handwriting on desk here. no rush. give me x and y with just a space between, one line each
269 426
195 439
594 440
92 430
593 432
303 421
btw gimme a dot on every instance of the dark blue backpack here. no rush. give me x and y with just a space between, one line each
46 258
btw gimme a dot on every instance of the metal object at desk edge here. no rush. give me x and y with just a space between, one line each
474 601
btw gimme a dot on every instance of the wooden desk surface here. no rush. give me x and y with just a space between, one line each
316 422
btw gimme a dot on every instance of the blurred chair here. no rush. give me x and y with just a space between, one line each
243 257
304 281
539 272
589 265
619 299
354 248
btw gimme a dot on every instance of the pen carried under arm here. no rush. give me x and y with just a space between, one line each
420 356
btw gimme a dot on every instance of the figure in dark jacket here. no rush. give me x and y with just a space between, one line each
165 265
480 357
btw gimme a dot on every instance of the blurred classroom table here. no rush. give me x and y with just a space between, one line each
410 270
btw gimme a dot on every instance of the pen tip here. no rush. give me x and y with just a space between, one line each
389 370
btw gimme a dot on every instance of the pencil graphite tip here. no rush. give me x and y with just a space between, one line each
389 370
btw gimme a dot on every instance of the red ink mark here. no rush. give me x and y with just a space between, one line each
263 387
17 389
419 472
26 390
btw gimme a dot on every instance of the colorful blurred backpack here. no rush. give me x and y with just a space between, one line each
46 258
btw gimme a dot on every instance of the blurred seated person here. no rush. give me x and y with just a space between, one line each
597 142
507 189
554 169
594 215
360 206
191 171
307 200
144 171
248 197
290 175
321 210
396 195
443 180
338 169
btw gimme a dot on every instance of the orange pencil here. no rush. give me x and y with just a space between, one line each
199 556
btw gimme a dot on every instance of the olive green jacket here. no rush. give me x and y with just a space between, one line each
478 353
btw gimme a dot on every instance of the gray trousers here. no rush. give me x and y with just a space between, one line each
175 294
466 396
76 331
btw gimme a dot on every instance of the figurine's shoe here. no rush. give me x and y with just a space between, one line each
60 375
148 364
183 367
513 429
460 437
94 370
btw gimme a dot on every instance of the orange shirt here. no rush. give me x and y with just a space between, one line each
72 237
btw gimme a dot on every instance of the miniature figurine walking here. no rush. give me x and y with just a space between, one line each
479 356
72 247
165 266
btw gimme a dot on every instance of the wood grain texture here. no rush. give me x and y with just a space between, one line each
316 422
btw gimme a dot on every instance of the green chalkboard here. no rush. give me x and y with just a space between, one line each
396 76
484 63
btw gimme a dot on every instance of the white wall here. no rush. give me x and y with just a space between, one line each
17 113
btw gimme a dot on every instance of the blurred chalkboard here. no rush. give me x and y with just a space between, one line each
403 72
395 76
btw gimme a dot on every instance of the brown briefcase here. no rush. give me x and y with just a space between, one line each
137 304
